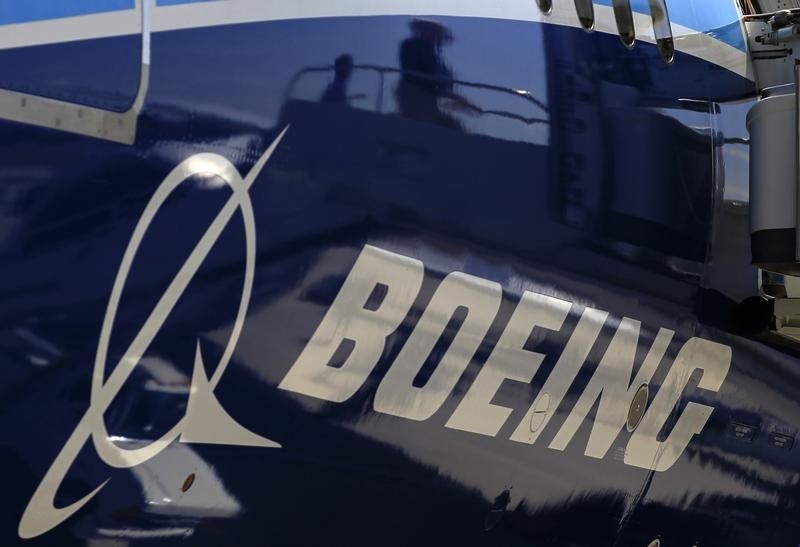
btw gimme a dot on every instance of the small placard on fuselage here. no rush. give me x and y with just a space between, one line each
741 431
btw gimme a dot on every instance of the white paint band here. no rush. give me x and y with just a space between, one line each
208 14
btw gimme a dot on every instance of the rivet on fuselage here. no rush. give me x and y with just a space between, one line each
539 414
638 407
188 482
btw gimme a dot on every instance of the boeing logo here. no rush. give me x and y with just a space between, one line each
205 421
376 297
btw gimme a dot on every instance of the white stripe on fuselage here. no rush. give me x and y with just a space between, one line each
208 14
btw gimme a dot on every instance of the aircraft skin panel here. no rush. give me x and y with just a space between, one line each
390 279
714 34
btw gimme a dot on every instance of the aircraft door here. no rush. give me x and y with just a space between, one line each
54 74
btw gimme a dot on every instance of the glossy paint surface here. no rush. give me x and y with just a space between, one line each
528 156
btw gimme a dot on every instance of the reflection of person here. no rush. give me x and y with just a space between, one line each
426 78
336 92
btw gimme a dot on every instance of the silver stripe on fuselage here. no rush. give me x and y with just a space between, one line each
208 14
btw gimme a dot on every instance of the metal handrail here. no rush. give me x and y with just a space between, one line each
382 71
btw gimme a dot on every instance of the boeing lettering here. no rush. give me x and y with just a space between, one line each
349 319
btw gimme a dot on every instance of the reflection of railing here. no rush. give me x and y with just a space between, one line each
384 71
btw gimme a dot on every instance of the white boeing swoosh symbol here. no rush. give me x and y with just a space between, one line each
205 421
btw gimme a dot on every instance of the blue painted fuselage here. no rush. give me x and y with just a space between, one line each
528 154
